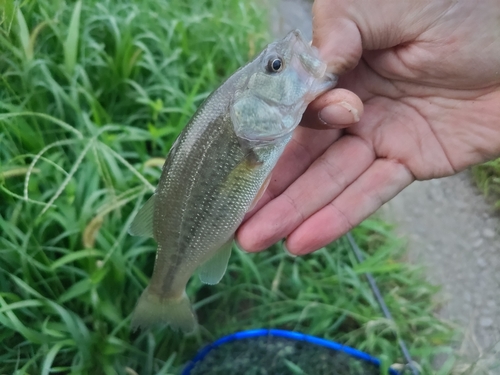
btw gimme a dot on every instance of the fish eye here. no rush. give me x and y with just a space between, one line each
275 65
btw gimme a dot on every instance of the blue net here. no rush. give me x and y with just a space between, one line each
278 352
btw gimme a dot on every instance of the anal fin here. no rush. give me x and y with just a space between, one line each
142 225
212 271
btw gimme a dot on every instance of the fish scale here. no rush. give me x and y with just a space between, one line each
216 170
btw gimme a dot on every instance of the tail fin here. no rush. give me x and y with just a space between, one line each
152 309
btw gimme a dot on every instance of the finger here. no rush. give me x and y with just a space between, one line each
325 179
336 35
342 28
381 182
335 109
305 147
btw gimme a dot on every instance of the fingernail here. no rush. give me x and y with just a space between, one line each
341 113
285 249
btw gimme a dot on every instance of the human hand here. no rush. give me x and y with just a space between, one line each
428 74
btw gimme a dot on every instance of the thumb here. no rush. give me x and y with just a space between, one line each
343 28
336 35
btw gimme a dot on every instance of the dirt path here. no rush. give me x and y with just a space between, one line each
451 230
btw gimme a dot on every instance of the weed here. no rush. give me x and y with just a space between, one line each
487 178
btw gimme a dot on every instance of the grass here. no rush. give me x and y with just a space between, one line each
487 178
92 96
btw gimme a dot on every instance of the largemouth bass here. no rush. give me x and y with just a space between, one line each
217 169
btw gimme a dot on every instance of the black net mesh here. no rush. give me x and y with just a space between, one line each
279 356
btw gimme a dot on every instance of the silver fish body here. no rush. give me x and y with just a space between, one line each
217 169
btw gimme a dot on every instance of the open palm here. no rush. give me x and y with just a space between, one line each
428 76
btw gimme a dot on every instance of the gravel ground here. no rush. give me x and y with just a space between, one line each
451 231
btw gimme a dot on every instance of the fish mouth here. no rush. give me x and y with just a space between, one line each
307 54
309 66
321 85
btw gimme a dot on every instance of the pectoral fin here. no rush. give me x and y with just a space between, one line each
260 193
142 225
212 270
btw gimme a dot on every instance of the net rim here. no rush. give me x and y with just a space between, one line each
296 336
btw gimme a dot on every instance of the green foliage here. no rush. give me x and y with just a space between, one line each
71 43
7 13
487 178
92 95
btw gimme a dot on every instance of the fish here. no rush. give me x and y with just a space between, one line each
216 171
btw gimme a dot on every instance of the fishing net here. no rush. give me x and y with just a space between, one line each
276 352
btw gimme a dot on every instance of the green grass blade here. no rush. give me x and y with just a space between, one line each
70 47
51 354
24 35
8 8
77 255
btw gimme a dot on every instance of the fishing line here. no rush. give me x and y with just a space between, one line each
378 296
